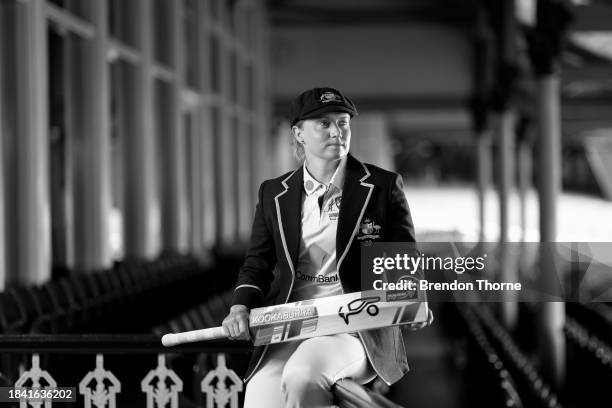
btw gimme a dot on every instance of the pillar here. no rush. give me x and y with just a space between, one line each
90 128
485 170
226 153
30 226
525 171
3 194
142 207
206 235
174 216
553 18
552 315
509 271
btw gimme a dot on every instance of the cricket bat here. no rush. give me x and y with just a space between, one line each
320 317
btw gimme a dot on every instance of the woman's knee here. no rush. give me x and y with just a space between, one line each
300 380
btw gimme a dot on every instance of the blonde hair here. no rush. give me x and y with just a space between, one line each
297 147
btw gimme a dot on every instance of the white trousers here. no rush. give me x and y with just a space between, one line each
300 374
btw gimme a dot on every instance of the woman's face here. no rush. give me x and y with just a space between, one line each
327 137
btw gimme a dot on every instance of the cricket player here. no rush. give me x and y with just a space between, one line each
308 228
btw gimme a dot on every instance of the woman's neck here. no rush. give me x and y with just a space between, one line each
322 170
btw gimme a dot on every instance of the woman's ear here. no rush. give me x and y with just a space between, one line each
297 134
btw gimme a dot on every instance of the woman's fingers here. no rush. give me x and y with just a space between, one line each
243 328
236 324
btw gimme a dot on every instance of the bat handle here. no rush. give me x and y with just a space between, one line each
212 333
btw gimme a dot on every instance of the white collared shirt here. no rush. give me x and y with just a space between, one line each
317 269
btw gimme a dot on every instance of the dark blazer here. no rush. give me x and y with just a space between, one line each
368 192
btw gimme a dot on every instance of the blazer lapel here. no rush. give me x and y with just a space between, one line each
288 210
356 194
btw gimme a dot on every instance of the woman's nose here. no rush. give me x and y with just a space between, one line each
334 130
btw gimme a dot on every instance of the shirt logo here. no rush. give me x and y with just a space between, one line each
333 208
329 97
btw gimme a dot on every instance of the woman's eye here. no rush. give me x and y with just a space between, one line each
324 123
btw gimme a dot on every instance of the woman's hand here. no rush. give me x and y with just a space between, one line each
417 326
236 323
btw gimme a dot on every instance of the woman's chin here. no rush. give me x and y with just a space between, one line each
336 151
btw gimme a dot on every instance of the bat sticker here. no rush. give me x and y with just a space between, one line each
357 305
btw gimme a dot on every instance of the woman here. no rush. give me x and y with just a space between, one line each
307 227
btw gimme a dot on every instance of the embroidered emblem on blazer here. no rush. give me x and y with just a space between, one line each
368 230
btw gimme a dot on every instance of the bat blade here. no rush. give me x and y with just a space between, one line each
333 315
346 313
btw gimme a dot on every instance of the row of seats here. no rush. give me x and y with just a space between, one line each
595 317
589 368
94 302
533 389
579 335
208 314
490 384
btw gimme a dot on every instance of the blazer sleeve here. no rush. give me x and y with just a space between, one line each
399 220
256 273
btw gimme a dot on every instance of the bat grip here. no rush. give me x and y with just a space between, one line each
212 333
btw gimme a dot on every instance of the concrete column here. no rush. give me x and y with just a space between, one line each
194 169
246 195
598 149
142 207
371 139
263 132
243 148
90 102
3 194
525 171
509 271
207 179
226 155
552 315
61 151
207 207
262 97
485 171
30 228
174 203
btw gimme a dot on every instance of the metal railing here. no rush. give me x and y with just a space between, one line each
52 361
98 383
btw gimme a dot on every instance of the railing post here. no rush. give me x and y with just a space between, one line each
101 394
159 395
220 395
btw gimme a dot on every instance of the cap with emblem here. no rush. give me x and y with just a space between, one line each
314 102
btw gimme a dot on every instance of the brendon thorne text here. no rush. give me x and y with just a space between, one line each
423 284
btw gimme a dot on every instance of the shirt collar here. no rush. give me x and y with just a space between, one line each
311 184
